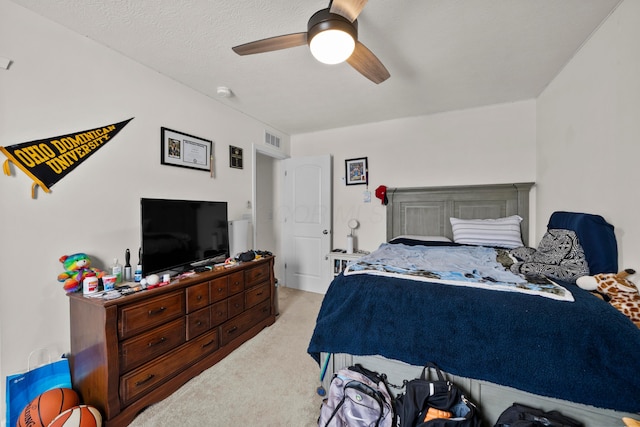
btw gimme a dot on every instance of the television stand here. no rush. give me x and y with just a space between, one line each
134 351
209 261
172 273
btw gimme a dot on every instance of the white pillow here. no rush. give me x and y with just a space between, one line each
423 238
501 232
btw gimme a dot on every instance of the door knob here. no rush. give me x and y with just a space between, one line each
325 231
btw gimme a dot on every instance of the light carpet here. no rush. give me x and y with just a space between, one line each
269 381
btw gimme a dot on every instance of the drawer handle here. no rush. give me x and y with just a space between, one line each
146 380
158 311
260 293
207 344
232 330
199 323
199 297
236 305
160 341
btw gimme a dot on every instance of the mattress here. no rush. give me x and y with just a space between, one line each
582 351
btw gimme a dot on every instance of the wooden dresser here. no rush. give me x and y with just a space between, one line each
133 351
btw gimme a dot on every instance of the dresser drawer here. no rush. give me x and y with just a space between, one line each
236 282
149 376
197 297
138 350
257 294
255 275
235 305
135 318
242 323
261 311
219 312
218 289
198 322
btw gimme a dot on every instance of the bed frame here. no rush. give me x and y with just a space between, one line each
426 211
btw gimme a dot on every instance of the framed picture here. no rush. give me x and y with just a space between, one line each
235 157
356 171
184 150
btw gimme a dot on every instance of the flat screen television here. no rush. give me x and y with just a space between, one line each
178 235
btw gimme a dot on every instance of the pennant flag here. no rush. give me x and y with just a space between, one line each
47 161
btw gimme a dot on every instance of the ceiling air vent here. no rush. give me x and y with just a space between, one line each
271 139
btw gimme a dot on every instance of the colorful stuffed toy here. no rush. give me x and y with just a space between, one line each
622 293
77 267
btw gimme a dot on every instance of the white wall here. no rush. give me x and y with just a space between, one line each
494 144
266 190
61 82
588 144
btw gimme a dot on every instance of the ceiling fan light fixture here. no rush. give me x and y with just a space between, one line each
332 46
331 37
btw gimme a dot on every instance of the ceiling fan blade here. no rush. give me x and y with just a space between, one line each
367 64
271 44
350 9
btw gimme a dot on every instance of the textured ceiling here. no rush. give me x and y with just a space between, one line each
443 55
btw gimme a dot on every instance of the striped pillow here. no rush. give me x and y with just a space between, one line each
501 232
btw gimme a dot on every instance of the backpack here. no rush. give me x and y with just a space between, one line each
434 403
357 397
519 415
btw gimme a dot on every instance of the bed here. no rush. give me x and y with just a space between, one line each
579 356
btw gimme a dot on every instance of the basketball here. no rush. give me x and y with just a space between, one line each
78 416
46 406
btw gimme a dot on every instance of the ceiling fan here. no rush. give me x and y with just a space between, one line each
332 36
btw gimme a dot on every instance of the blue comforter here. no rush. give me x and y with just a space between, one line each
583 351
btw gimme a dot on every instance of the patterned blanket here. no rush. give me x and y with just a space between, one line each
472 266
559 256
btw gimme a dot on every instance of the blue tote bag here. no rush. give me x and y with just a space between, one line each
23 388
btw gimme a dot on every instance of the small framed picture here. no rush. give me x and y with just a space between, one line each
235 157
356 171
184 150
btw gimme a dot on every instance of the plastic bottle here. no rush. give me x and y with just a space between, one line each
137 276
116 270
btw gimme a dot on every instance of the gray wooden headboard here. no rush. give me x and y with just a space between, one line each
425 211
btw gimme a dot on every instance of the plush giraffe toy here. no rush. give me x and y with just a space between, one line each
630 422
623 293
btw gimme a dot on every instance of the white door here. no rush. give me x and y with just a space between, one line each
307 213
